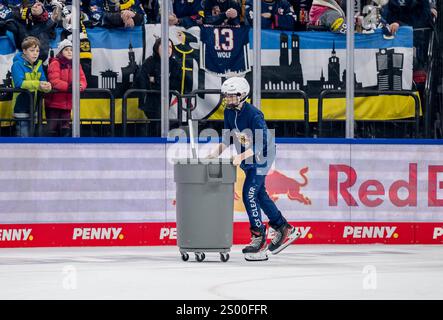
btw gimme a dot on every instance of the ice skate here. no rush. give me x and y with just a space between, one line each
283 237
257 249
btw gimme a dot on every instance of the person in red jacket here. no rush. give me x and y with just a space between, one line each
58 105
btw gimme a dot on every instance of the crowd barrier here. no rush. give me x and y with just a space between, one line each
326 93
31 118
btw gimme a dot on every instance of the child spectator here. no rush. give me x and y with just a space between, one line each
27 73
58 105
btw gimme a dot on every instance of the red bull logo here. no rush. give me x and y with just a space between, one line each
278 184
344 184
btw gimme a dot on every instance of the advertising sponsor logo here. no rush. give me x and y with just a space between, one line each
97 234
373 192
370 232
169 233
16 235
279 184
305 232
438 233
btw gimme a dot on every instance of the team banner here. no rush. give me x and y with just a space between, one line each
308 61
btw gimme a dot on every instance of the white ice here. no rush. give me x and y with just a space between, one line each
299 272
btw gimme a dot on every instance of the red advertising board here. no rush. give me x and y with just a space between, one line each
155 234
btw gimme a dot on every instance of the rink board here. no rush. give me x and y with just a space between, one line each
121 192
157 234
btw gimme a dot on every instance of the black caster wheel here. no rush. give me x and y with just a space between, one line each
185 256
224 256
199 256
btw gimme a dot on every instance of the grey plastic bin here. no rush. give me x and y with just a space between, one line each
204 206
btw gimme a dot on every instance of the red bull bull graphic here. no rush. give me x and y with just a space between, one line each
278 185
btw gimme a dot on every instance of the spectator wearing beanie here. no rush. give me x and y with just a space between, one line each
58 105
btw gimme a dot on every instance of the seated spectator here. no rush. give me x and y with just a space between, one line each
117 13
152 10
149 77
187 13
34 22
275 14
222 12
27 73
328 14
58 105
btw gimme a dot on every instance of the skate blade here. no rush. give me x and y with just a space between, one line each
259 256
290 240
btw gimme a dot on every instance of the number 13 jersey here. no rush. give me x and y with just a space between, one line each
224 50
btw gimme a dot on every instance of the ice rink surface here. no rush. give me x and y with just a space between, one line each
299 272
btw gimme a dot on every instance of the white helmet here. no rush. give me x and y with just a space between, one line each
236 86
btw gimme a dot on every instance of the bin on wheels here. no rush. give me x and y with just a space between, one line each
205 207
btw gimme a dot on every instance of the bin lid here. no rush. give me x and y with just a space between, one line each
204 171
201 161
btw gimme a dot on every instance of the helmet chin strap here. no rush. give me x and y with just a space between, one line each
235 106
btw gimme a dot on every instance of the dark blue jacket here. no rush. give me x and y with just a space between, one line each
415 13
282 14
44 31
249 117
188 12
